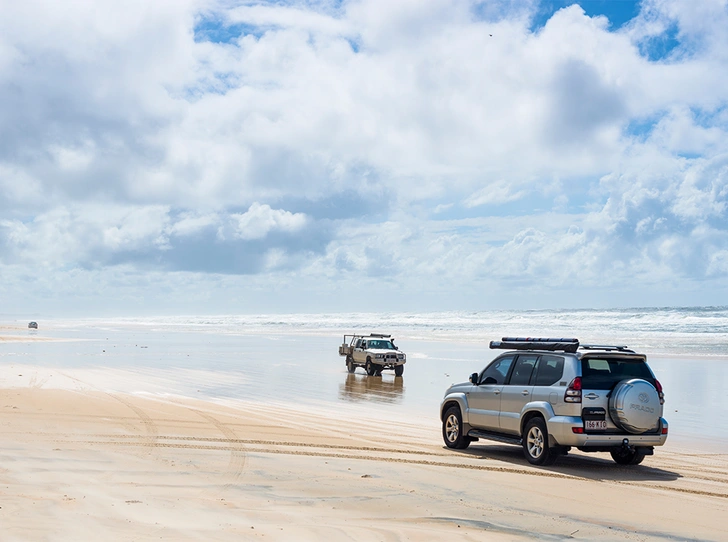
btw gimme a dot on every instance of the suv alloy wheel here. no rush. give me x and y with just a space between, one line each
452 429
536 443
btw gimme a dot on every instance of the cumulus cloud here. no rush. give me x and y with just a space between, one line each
439 143
260 220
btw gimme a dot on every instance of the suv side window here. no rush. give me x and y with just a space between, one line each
549 370
358 343
497 370
523 369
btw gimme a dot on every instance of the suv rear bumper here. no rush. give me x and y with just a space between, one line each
560 428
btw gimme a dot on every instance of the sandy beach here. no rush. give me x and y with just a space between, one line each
74 464
89 452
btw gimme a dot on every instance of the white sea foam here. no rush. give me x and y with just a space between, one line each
691 330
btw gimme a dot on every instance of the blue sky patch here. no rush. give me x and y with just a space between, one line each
220 83
534 203
641 128
216 31
619 12
354 45
709 118
660 47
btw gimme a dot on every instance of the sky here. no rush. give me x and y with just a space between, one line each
234 156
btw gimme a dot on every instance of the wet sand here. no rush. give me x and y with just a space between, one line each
145 436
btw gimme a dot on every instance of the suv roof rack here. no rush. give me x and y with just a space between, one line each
536 343
607 347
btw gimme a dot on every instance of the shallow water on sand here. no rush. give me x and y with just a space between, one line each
306 369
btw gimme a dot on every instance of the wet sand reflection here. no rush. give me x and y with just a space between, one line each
379 389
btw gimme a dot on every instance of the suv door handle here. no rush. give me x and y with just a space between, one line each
591 395
524 392
497 392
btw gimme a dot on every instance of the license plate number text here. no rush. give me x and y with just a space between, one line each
595 424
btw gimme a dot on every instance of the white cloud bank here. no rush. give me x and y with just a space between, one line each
238 156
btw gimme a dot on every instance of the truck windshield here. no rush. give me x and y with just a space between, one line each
383 345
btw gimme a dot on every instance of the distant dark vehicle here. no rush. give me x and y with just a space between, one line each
33 325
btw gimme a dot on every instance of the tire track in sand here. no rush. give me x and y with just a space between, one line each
238 456
150 428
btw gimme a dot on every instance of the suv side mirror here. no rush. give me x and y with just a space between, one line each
474 378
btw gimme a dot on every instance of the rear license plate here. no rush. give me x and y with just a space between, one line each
595 424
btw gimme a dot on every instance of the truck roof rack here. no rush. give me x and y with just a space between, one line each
607 347
537 343
371 335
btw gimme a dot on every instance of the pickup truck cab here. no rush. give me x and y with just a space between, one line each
374 353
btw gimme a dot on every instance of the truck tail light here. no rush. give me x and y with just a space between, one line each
573 392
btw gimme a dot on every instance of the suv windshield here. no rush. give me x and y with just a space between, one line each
604 373
384 345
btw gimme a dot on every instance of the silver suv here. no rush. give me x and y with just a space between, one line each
548 395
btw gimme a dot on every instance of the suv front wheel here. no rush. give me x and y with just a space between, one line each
452 429
536 443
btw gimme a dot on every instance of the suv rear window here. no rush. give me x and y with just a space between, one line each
604 373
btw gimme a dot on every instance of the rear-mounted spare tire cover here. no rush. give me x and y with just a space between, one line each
634 406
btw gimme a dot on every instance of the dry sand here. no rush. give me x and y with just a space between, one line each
89 465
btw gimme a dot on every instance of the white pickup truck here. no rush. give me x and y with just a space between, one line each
374 352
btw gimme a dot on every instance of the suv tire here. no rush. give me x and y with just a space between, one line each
536 443
399 370
625 456
452 429
370 369
350 364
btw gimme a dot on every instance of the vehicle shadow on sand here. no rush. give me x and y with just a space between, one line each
592 466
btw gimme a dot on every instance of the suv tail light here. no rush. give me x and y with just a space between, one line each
573 392
659 391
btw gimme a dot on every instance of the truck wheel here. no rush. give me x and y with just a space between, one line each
536 443
452 429
625 456
399 370
350 364
377 370
369 368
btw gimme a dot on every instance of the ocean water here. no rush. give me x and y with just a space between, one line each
293 359
672 331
